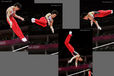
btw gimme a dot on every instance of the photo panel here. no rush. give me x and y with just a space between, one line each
46 21
75 52
98 16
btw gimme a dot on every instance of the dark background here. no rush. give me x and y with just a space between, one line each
81 40
95 5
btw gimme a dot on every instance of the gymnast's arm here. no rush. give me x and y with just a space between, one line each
19 17
51 26
91 18
8 15
47 17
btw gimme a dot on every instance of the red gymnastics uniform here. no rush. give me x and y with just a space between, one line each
68 45
103 13
15 26
42 21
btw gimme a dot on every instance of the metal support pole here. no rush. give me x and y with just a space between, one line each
13 38
47 41
96 43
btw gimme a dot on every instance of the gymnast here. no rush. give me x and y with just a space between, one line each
72 51
93 14
10 14
47 20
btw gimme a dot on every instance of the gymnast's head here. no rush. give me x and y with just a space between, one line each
79 58
17 6
54 13
85 16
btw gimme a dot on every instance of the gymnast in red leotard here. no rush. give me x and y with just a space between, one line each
48 19
10 14
72 51
93 14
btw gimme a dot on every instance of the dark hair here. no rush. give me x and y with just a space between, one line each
54 12
83 15
18 5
